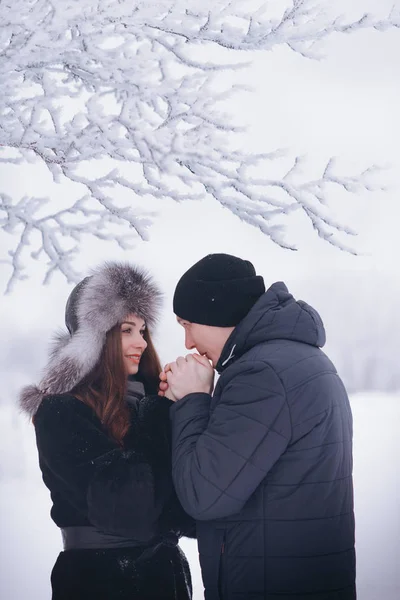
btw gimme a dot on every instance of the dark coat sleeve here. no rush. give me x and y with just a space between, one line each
114 487
219 459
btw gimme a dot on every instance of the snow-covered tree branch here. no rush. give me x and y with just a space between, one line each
127 86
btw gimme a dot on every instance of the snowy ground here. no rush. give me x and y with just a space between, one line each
30 542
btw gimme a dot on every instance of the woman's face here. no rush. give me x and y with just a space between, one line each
132 342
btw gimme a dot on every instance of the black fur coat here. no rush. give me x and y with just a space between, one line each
127 492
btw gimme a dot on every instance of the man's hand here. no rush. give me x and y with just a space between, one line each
186 376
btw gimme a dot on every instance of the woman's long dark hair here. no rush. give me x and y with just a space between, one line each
105 387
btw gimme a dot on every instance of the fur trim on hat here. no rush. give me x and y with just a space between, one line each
114 291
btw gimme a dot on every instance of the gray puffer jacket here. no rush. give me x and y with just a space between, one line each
265 464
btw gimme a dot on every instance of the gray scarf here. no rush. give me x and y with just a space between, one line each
134 391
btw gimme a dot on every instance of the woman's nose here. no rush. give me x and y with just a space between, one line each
141 343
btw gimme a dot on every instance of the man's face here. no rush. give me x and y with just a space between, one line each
207 340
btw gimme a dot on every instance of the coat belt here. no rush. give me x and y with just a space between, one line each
90 538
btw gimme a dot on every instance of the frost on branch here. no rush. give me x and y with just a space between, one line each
119 100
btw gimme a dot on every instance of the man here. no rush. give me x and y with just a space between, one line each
265 462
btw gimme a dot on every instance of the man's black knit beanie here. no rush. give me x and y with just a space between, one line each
218 290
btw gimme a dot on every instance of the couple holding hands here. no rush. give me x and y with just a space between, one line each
257 468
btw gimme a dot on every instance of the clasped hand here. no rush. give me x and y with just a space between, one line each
187 375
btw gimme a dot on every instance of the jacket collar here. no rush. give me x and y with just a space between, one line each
275 316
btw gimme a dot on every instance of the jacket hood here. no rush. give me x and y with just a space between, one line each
110 294
275 316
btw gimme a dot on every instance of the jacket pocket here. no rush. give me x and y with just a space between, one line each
222 569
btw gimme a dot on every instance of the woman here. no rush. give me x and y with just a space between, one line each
104 447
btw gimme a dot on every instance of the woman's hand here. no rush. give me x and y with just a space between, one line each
163 388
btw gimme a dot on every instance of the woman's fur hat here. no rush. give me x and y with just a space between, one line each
95 305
